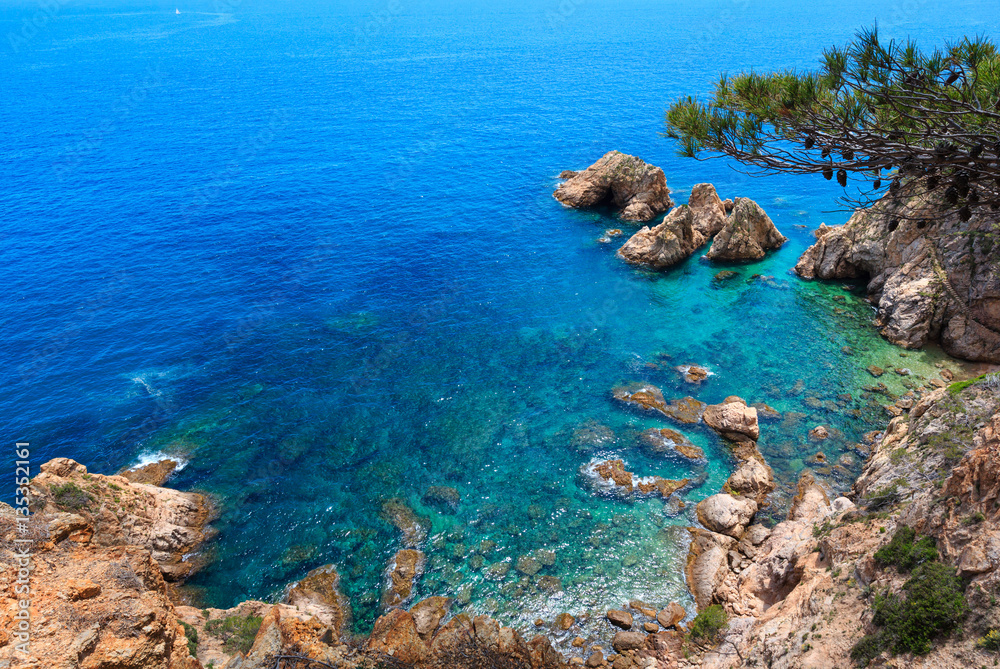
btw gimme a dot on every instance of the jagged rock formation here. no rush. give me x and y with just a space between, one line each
682 232
932 277
745 234
748 233
638 190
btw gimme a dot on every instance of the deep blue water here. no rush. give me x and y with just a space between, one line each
313 250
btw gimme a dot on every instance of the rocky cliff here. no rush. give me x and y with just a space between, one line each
812 591
932 277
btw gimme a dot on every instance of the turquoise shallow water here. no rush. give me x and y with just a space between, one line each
314 251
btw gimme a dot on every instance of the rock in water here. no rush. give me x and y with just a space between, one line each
682 232
733 419
747 234
707 210
638 190
669 243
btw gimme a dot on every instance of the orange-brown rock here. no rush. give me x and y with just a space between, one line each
154 473
404 570
113 511
319 595
615 478
733 419
96 607
663 441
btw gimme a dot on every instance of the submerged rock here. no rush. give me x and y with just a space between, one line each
444 498
666 441
747 235
613 477
591 436
404 570
642 396
638 190
413 527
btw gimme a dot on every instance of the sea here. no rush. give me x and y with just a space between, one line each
310 251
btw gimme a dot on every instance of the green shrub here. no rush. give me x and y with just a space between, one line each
70 496
237 632
707 624
934 605
905 551
192 637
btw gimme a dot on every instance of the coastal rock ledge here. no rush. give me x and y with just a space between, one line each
931 276
636 189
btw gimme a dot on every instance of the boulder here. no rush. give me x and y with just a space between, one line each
624 641
637 190
622 619
693 373
725 514
733 419
670 616
748 233
707 564
753 479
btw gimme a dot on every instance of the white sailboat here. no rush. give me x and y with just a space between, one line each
178 11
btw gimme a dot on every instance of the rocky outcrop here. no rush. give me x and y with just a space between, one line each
637 190
113 511
611 476
649 398
733 419
318 595
684 230
101 602
412 527
747 235
93 607
406 567
814 571
932 277
665 441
